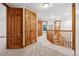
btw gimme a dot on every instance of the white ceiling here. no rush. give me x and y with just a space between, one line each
54 11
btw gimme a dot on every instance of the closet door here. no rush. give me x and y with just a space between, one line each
27 28
33 27
14 28
30 27
39 28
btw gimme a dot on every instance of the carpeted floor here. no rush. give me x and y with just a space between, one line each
42 48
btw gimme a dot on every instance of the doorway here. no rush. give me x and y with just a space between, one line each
44 27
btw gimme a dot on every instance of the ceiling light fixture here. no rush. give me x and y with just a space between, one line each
66 14
45 5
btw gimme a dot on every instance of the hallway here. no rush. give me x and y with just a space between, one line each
25 33
31 50
41 48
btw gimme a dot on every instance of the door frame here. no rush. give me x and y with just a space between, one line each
55 23
42 25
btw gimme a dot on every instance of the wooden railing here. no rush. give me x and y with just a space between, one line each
60 37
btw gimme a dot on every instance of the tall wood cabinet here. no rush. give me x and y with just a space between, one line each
39 28
57 26
14 28
30 27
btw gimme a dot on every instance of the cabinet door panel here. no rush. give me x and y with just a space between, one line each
14 28
27 29
30 27
39 28
33 29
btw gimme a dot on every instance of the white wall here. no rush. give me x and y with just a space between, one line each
77 29
2 20
66 25
2 26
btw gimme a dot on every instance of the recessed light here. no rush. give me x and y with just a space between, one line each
69 21
45 5
66 14
54 17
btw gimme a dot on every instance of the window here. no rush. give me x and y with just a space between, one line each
44 26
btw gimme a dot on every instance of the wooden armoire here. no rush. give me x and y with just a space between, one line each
57 27
14 28
30 27
39 28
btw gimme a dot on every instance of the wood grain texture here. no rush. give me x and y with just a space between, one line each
30 27
39 28
14 28
73 26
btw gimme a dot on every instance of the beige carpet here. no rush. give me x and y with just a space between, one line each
42 48
31 50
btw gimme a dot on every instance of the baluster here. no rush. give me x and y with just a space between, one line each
70 39
66 39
